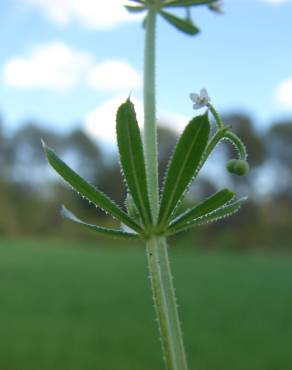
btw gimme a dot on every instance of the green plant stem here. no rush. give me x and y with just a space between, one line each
238 144
215 140
165 304
150 131
216 116
160 273
223 133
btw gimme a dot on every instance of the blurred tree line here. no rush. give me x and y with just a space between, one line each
31 194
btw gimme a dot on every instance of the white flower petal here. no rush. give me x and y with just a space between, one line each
204 94
198 105
194 97
201 100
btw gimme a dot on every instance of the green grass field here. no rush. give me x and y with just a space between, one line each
76 307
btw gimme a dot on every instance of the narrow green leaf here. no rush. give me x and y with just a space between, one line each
87 190
132 208
183 3
184 164
210 204
184 25
132 158
98 229
216 215
135 9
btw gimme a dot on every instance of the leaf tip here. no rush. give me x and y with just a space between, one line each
206 114
67 215
129 97
230 192
64 211
44 145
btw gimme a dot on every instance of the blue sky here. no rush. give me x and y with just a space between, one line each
67 63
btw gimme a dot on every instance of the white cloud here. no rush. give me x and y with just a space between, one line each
58 66
113 75
173 120
95 14
284 94
54 66
101 122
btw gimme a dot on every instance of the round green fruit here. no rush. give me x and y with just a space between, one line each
238 167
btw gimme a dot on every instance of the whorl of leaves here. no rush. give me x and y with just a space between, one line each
190 153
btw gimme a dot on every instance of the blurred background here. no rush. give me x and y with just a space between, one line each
70 300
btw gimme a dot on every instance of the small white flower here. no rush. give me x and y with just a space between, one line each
200 100
217 7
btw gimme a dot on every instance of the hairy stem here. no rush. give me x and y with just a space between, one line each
215 140
216 116
150 132
235 140
165 304
160 274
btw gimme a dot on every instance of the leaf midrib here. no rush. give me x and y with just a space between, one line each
180 172
136 180
183 217
200 220
103 201
99 229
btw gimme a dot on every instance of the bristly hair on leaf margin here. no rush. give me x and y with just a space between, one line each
190 153
132 160
183 165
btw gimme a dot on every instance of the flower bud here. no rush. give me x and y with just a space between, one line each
238 167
